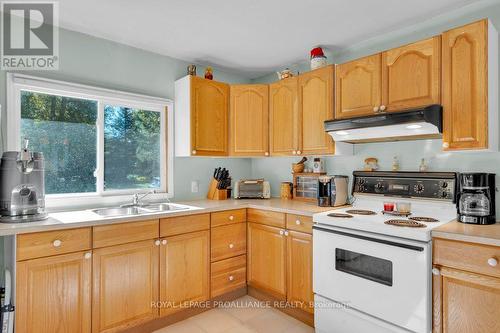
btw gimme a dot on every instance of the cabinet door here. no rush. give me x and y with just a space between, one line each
411 75
315 106
267 259
358 88
184 270
209 113
283 117
469 302
299 277
125 285
465 87
249 120
54 294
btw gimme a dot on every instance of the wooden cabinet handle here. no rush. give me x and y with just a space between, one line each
57 243
164 242
294 152
231 245
383 108
194 152
286 233
266 153
297 222
231 217
88 255
157 242
492 262
375 109
231 278
436 271
446 145
299 152
282 232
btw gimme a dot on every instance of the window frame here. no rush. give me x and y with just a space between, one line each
18 82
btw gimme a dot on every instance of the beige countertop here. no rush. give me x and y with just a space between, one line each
86 218
482 234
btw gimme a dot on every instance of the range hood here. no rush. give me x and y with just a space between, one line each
406 125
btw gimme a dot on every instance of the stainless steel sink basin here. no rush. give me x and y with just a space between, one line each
138 210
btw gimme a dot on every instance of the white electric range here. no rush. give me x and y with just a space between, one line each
372 270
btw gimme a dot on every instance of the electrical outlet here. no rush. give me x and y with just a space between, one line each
195 186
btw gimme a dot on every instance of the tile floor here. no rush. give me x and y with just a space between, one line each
244 315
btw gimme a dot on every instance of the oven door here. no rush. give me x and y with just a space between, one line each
385 277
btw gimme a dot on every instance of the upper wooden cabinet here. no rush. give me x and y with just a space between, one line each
358 87
283 117
411 75
124 275
184 270
470 87
54 294
315 106
201 118
249 120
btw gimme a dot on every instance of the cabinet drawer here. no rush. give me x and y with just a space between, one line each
299 223
228 241
273 219
467 256
184 224
228 275
49 243
228 217
109 235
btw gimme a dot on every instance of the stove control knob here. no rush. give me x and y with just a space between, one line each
361 181
444 195
444 185
419 188
379 186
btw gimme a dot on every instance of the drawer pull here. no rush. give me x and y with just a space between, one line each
157 242
286 233
231 278
282 232
164 242
88 255
57 243
231 245
231 217
297 222
436 271
492 262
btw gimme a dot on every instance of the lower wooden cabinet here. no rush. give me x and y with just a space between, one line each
299 270
124 286
184 270
54 294
267 259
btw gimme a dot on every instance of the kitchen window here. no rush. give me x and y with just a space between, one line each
96 142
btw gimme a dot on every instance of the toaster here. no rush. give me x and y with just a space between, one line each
252 189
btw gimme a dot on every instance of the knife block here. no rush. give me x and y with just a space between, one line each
214 193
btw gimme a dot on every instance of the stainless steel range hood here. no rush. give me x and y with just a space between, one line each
406 125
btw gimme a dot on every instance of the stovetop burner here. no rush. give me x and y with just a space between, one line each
405 223
360 212
423 219
340 215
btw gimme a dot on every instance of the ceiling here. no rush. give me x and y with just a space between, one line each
252 37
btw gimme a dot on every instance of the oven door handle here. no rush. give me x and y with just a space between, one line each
371 239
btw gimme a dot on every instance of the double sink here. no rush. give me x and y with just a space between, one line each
139 209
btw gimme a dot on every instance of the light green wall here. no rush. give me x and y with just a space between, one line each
89 60
410 153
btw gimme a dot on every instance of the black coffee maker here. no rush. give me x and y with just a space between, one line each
476 198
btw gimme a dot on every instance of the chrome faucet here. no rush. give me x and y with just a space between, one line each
136 199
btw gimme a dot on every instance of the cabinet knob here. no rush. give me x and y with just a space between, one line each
266 153
194 152
446 145
231 217
294 152
299 152
164 242
383 108
231 278
492 262
57 243
375 109
88 255
157 242
436 271
231 245
282 232
286 233
297 222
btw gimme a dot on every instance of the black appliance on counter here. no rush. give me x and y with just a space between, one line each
332 190
476 198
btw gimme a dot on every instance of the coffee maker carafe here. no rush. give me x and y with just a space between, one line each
476 198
